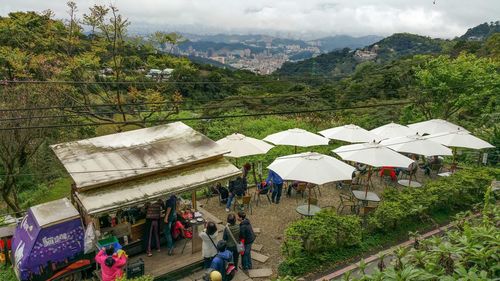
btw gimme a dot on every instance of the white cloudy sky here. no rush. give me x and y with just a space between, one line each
306 18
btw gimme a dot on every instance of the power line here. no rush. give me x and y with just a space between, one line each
204 117
231 98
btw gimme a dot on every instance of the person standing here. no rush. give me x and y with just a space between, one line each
153 214
236 188
247 236
244 174
231 234
111 263
170 216
277 184
208 248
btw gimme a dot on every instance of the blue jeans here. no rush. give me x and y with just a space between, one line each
230 200
275 197
168 235
246 259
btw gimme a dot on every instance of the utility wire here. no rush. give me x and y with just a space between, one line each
230 98
205 117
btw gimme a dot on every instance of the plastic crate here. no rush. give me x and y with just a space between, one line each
135 269
104 243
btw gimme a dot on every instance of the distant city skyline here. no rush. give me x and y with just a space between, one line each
289 18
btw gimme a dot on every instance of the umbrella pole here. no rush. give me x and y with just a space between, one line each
309 200
254 175
454 165
369 181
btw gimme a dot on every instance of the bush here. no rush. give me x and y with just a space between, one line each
329 237
7 274
467 252
458 192
325 232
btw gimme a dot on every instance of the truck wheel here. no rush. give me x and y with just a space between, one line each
77 276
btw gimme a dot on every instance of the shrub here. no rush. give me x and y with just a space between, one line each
323 233
469 252
458 192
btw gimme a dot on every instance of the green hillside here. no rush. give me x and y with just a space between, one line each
343 62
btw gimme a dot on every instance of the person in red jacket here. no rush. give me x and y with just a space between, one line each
111 263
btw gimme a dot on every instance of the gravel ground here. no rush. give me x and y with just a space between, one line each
272 219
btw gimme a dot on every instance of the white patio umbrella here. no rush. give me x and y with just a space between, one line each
393 130
416 145
311 167
374 155
350 133
296 137
459 139
241 145
435 126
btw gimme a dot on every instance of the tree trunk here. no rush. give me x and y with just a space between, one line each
12 204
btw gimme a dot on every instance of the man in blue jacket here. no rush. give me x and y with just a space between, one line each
276 182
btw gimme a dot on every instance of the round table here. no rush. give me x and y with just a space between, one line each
303 210
408 184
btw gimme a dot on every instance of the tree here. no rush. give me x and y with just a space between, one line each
166 41
17 146
447 86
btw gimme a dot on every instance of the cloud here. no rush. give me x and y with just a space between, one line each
359 17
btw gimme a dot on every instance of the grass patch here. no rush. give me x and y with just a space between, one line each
56 189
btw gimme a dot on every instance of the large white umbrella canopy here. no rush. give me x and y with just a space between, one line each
311 167
393 130
435 126
241 145
296 137
350 133
417 145
372 154
459 139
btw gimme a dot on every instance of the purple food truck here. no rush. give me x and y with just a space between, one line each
49 243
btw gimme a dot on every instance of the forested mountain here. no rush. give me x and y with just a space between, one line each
332 43
481 31
340 63
343 62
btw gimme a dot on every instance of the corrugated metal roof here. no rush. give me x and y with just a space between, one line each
121 195
112 158
53 212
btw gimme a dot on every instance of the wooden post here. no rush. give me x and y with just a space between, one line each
193 200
